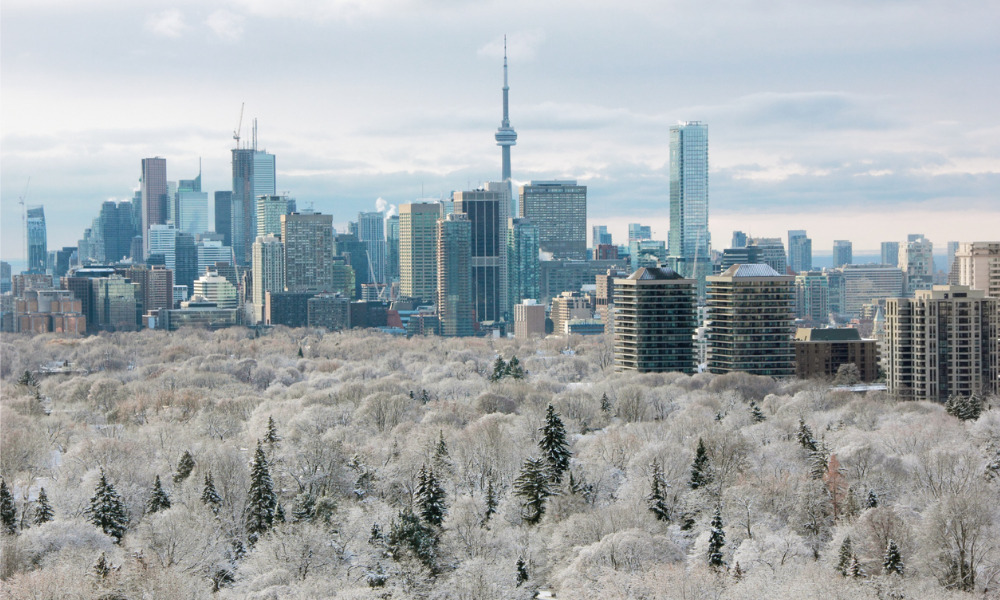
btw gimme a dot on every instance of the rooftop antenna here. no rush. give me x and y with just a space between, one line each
255 133
24 223
239 127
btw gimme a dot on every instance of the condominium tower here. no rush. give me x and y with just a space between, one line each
655 320
418 250
689 238
308 240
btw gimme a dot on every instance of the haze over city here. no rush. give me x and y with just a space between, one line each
857 121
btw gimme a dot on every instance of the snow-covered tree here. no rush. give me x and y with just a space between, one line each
605 404
262 503
521 570
893 562
271 437
209 495
701 469
8 510
966 408
716 541
184 467
805 437
553 445
43 509
534 487
491 502
844 556
158 499
430 497
657 498
756 413
107 510
408 535
304 507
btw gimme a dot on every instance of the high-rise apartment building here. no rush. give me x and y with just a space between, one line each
418 250
771 252
523 268
487 212
559 211
843 253
978 266
268 271
655 321
215 288
812 296
224 216
638 233
38 248
270 207
799 251
689 238
890 253
371 232
600 236
568 306
529 320
750 321
940 343
308 240
916 259
155 198
253 176
454 284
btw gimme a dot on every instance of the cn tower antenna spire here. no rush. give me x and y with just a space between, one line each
505 135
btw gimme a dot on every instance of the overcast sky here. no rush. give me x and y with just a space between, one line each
863 120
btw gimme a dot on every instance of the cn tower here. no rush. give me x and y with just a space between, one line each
505 135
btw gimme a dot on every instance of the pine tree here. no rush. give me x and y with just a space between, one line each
261 500
102 568
533 487
408 532
300 352
499 369
893 562
43 512
701 469
656 500
271 437
442 460
158 500
522 572
553 445
965 408
430 498
184 467
514 368
716 541
805 437
8 510
304 508
855 570
872 499
107 511
756 413
27 379
844 556
208 494
491 502
605 403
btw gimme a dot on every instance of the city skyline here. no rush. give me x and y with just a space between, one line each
866 152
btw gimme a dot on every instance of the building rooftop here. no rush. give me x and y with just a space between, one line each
654 273
751 270
842 334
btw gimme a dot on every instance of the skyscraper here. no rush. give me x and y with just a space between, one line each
916 259
155 199
38 248
638 233
392 248
977 265
843 253
506 137
524 270
253 176
770 252
600 236
371 232
799 251
689 239
559 211
224 216
454 286
308 240
487 213
268 271
890 253
418 250
269 210
655 320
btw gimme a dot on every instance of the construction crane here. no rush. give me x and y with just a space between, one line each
239 127
24 223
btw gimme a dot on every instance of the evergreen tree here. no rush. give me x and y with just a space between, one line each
158 500
408 533
184 467
107 511
102 568
605 403
43 512
716 541
701 469
893 562
805 437
499 369
491 502
8 510
756 413
965 408
261 500
375 537
514 369
442 460
872 499
855 570
208 494
818 462
27 379
522 572
553 445
844 556
300 352
271 437
656 500
533 486
430 498
304 508
737 572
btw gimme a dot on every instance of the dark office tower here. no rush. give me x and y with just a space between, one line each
185 260
155 198
739 240
890 253
655 320
689 238
224 216
486 212
843 253
559 211
454 286
64 260
392 248
506 137
355 254
308 243
38 249
116 230
799 251
253 176
524 269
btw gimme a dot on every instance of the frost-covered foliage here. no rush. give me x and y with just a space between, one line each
408 469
